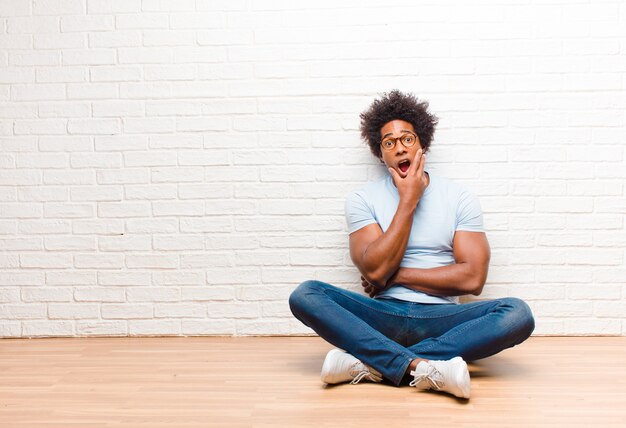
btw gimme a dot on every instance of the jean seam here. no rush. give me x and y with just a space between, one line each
362 304
456 313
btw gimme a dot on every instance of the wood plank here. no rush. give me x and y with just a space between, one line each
274 381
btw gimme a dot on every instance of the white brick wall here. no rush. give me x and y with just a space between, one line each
177 167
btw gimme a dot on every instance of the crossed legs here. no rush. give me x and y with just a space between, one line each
393 336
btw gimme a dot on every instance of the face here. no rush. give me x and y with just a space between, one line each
400 157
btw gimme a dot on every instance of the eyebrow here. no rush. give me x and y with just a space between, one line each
391 133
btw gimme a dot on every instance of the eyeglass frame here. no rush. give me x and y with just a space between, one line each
395 141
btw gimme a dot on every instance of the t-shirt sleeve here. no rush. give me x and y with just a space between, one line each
358 213
469 215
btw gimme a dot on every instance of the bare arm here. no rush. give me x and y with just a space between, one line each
466 276
377 255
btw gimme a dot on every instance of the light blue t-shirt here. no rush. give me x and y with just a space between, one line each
444 208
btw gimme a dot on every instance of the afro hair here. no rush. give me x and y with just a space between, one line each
396 105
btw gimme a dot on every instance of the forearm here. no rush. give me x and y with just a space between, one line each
453 280
382 257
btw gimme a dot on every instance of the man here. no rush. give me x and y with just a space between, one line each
419 242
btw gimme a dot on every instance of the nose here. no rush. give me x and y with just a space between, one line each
400 149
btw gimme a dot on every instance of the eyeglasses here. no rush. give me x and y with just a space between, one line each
408 140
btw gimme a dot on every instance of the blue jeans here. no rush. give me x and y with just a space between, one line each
387 334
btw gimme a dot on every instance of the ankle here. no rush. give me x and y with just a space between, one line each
414 364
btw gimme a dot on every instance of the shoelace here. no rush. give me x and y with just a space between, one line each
433 376
359 372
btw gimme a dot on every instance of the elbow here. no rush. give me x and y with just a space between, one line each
476 290
475 285
475 279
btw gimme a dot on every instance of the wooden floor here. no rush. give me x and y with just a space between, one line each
274 381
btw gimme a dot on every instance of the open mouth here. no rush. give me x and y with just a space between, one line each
404 165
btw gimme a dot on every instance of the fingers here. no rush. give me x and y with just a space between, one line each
420 171
367 287
417 162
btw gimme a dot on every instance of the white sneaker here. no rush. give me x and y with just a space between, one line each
450 376
342 367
